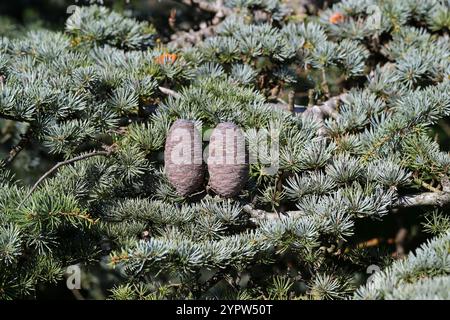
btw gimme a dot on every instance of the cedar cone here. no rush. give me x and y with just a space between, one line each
228 161
183 157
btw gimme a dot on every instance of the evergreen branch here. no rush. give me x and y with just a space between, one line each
80 215
372 151
427 186
408 201
104 153
339 161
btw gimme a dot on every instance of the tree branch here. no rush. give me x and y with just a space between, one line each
319 112
425 185
10 117
169 92
407 201
218 8
324 84
24 140
192 37
327 109
424 199
105 153
291 105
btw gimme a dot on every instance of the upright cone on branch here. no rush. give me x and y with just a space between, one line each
228 161
183 157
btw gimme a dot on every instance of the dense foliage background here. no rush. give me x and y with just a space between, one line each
110 81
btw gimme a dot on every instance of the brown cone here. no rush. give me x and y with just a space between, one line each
183 157
227 162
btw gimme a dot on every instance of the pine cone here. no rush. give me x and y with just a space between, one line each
227 161
183 157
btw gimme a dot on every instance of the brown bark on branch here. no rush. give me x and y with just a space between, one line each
24 140
327 109
424 199
192 37
10 117
218 8
169 92
407 201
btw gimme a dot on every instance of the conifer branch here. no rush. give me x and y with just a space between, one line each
374 145
408 201
427 186
109 150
